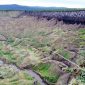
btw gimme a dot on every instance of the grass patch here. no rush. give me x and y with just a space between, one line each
21 78
64 53
44 70
81 77
82 53
7 55
6 72
82 37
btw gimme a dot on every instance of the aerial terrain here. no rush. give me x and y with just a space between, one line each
42 47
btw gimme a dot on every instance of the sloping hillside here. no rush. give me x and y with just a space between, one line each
38 51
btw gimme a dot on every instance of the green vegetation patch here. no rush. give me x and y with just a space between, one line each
44 70
64 53
81 77
82 37
7 55
6 72
82 52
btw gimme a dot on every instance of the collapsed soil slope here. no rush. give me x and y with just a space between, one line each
51 48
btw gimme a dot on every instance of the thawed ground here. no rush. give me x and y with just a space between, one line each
54 53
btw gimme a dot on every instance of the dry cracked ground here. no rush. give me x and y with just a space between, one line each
40 52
